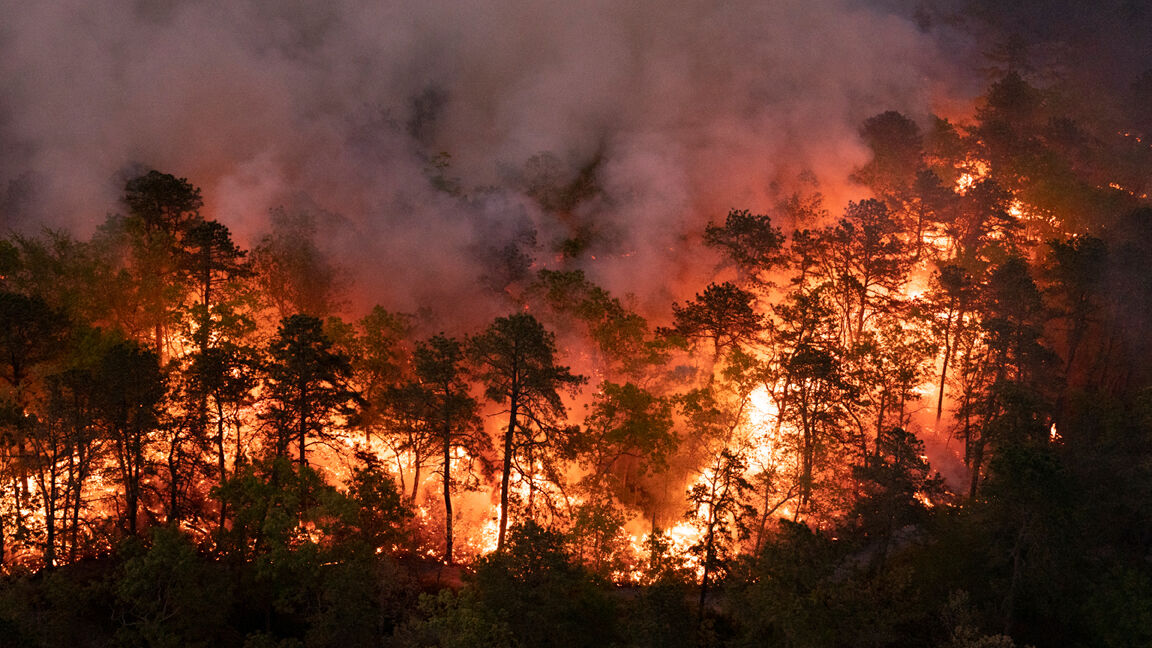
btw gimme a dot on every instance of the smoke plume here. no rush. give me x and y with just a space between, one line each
416 131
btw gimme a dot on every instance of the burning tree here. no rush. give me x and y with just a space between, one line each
451 414
516 360
306 387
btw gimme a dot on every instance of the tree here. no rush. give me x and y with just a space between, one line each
393 404
720 511
211 259
516 360
803 592
897 156
161 202
985 231
223 378
1007 377
454 413
294 274
128 402
951 297
883 373
67 445
162 210
306 385
750 241
217 372
723 314
619 336
628 436
166 595
31 333
627 441
717 420
544 597
899 486
380 349
408 419
1076 271
863 263
807 383
1008 128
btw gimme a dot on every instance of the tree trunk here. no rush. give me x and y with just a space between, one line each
509 437
447 473
944 366
221 465
416 461
50 518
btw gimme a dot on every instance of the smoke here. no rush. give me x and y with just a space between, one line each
678 111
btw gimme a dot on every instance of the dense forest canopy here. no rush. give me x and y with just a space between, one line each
605 377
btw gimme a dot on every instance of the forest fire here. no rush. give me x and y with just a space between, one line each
636 324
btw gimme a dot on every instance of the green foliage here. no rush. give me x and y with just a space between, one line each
65 607
628 436
161 201
750 241
723 314
619 335
898 489
544 598
127 406
807 589
307 385
660 616
167 596
451 620
516 361
378 513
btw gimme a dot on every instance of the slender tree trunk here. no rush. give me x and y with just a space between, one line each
447 473
806 456
880 420
767 513
509 438
977 460
50 517
174 472
302 426
82 475
18 505
132 494
416 461
944 366
221 465
709 546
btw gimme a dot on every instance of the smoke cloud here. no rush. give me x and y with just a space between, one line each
348 108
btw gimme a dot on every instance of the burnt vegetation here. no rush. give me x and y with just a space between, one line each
200 447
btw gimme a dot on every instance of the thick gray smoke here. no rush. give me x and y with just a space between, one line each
679 110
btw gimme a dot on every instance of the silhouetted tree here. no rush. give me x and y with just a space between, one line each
128 405
750 241
306 386
162 209
454 417
516 361
723 314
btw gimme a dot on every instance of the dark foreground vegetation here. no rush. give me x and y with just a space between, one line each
1040 559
